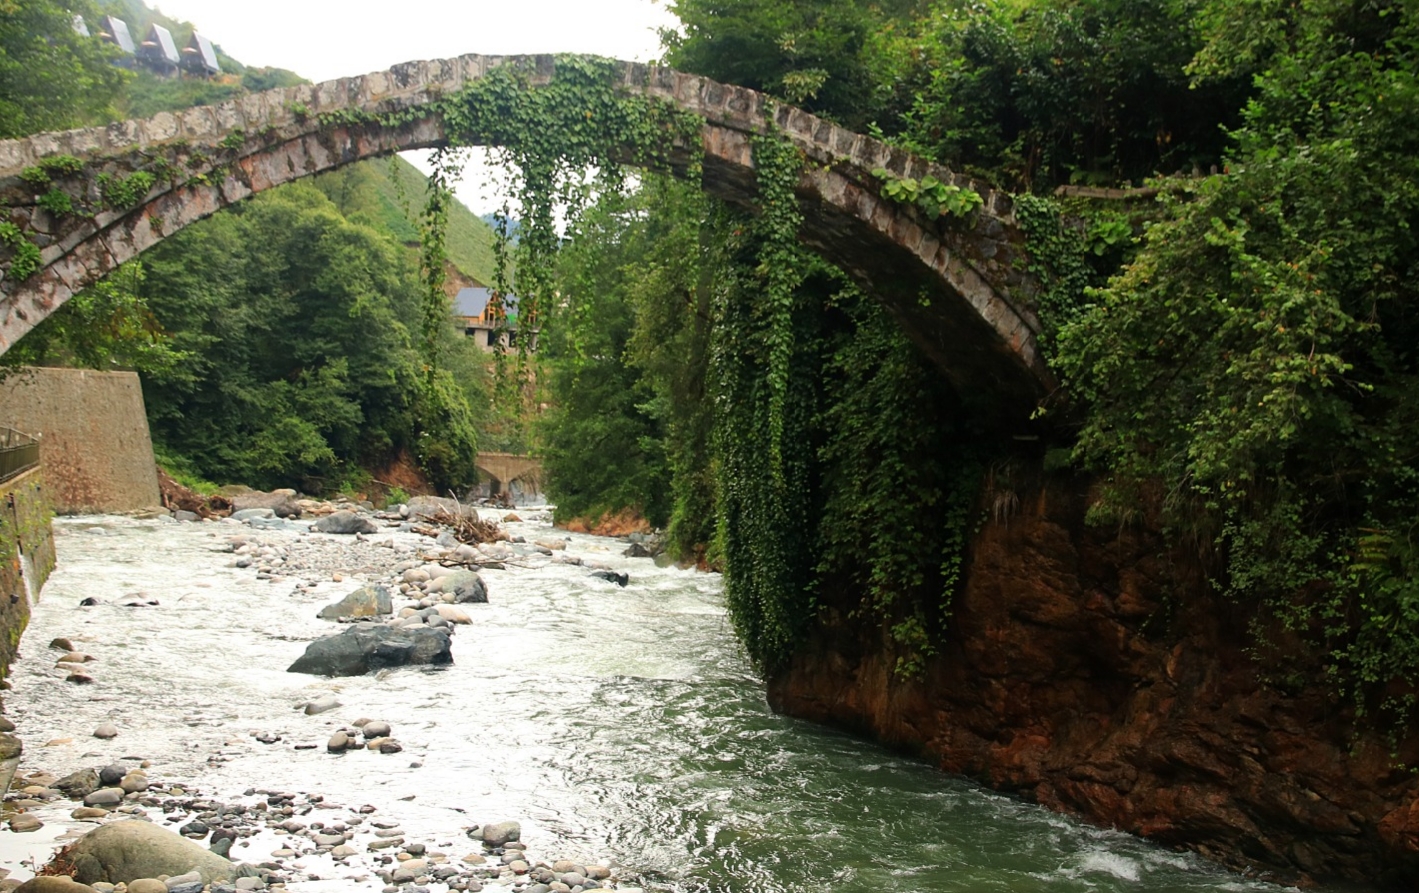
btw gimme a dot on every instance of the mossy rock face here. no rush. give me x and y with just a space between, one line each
120 852
10 746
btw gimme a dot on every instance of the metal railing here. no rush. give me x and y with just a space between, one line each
19 452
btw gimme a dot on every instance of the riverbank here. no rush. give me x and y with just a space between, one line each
1091 670
283 836
621 726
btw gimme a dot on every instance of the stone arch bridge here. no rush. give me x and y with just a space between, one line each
958 288
502 469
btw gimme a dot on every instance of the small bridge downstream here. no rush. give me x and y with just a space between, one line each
959 288
500 470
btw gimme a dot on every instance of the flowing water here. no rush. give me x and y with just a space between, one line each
618 725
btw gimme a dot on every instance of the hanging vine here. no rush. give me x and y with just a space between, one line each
559 141
777 165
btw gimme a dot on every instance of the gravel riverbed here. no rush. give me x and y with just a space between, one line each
115 600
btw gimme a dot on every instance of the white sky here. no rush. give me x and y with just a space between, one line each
324 39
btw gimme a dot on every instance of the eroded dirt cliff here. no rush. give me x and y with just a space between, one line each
1094 672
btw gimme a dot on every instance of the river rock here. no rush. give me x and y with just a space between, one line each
133 783
498 833
345 522
338 743
321 705
121 852
281 503
106 731
61 644
368 601
252 514
147 885
22 822
105 797
636 550
194 829
79 785
363 648
375 729
179 882
10 746
47 884
466 587
453 614
112 774
612 577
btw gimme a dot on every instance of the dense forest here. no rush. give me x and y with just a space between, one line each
1234 329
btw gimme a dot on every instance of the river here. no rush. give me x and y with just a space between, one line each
619 725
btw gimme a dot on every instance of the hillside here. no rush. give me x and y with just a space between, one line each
396 196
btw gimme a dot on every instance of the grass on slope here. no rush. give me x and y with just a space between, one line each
389 193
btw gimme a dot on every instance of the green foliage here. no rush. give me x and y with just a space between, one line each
25 258
763 465
671 286
41 175
297 328
386 193
56 202
396 496
930 195
820 56
777 166
108 325
602 444
899 486
124 192
52 78
1258 355
1061 91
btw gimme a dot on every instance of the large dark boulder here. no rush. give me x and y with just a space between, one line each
346 523
366 647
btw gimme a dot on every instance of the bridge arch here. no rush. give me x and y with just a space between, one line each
962 293
501 470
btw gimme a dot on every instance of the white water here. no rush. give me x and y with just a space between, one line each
618 725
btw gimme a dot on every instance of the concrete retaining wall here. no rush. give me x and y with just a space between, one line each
94 442
26 556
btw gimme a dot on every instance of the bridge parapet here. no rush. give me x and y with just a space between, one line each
959 288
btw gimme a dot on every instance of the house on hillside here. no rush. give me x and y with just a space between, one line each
199 57
159 52
115 31
487 321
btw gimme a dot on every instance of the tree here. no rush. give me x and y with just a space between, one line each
1258 357
52 77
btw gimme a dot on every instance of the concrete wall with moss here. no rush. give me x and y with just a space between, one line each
26 556
94 442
